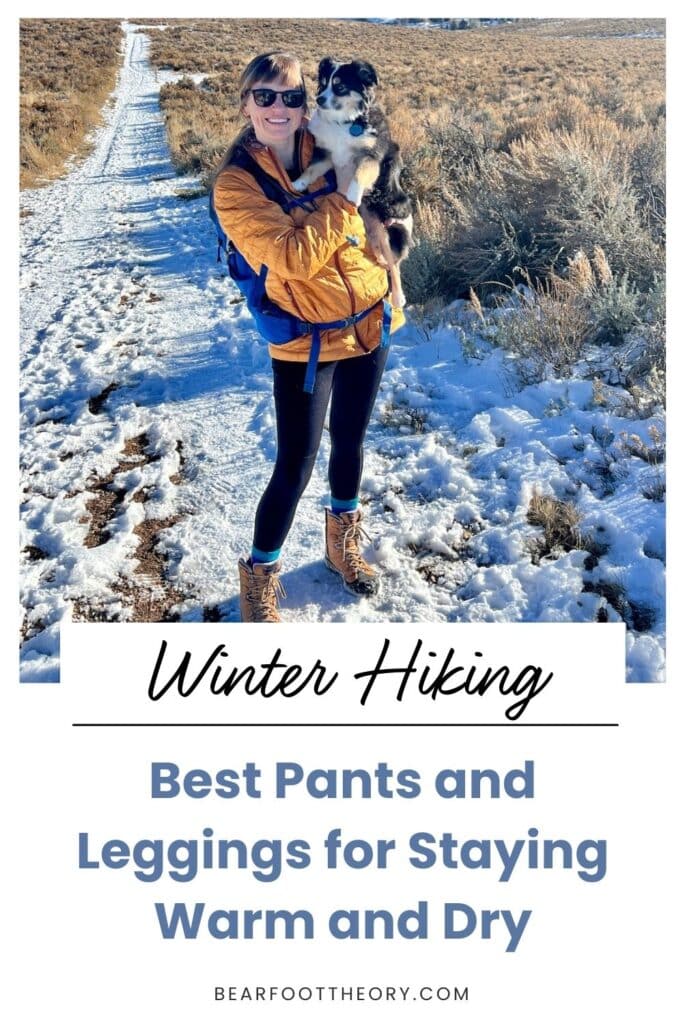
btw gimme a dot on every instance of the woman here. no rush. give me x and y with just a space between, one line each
321 270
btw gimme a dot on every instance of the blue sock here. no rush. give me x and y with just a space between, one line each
338 505
264 556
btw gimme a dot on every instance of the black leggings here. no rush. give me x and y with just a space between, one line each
353 384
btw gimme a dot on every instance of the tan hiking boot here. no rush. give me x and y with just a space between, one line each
342 553
260 588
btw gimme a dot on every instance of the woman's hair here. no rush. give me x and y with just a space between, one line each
267 67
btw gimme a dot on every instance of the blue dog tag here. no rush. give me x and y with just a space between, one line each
356 129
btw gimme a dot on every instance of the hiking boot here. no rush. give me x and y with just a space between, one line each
342 554
260 588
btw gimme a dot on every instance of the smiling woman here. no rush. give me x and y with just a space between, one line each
316 268
276 116
274 103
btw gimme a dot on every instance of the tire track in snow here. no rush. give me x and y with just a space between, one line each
84 343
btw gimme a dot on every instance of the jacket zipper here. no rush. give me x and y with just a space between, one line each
295 304
353 306
285 185
348 290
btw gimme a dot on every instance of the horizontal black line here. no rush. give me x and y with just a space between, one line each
344 725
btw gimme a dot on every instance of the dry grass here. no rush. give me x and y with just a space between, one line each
559 521
586 318
495 76
68 68
590 28
522 145
547 328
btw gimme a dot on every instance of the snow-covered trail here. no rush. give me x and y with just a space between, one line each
122 343
148 433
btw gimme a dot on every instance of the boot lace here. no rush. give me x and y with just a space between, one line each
264 592
348 542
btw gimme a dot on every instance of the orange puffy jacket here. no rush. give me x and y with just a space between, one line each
320 267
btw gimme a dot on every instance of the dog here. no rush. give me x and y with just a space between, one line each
349 128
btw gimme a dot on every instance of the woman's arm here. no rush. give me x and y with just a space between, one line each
264 233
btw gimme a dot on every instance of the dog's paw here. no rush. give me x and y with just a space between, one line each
301 184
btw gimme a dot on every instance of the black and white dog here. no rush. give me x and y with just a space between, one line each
349 129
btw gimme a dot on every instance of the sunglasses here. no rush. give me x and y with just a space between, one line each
266 97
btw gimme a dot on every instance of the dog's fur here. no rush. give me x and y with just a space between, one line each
349 129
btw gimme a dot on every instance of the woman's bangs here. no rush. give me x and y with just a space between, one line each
283 67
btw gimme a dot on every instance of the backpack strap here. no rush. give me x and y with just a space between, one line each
221 236
309 380
272 189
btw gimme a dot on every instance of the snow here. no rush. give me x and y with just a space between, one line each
165 75
121 294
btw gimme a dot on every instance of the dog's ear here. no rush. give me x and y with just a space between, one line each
367 74
325 69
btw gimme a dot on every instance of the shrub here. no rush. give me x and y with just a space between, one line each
425 273
522 147
559 521
547 326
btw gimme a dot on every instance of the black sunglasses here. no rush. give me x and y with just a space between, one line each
266 97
